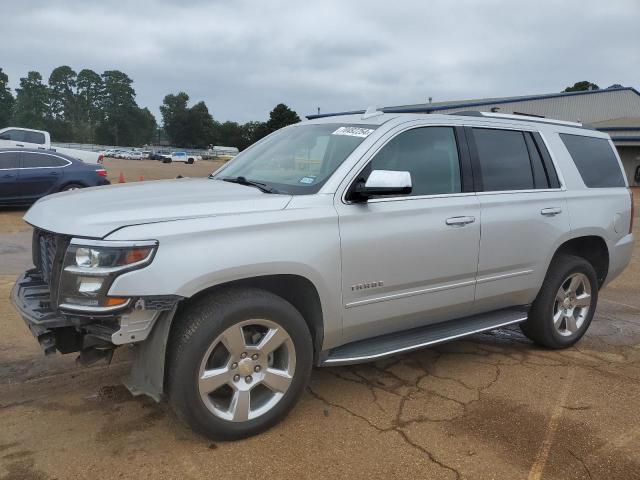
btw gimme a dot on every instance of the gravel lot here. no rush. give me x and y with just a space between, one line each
493 406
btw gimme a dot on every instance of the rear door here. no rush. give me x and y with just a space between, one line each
40 174
524 214
9 163
411 260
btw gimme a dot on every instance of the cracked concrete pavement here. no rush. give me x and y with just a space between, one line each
492 406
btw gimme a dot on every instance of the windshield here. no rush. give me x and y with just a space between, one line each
299 159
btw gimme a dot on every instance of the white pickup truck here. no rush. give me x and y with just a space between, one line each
25 137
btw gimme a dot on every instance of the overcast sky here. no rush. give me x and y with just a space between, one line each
244 57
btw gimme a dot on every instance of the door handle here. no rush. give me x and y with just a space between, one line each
551 211
54 173
459 221
19 145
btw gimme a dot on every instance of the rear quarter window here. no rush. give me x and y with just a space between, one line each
595 160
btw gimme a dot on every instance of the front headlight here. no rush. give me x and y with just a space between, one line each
90 266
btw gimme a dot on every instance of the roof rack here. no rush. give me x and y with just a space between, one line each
507 116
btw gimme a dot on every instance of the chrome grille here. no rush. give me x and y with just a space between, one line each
48 250
47 254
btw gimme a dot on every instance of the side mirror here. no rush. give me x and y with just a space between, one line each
387 183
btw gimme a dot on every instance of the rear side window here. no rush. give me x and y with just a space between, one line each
35 160
595 160
8 160
34 137
504 160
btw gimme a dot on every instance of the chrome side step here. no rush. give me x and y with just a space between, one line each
408 340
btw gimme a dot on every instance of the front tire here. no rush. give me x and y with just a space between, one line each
564 307
238 362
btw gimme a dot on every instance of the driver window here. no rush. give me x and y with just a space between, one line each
429 154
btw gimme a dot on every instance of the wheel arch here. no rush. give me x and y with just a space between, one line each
299 291
593 248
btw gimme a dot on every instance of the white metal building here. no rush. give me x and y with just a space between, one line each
613 110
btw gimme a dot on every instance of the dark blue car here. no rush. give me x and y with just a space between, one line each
28 174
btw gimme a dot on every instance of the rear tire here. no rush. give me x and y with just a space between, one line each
190 161
238 362
562 312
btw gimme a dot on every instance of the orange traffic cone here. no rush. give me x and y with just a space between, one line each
121 179
142 178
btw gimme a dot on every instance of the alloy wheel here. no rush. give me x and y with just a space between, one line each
572 304
247 370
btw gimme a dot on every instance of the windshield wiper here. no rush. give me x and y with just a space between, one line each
251 183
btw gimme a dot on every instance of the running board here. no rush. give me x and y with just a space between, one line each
408 340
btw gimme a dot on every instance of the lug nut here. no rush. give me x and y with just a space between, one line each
234 365
236 377
248 379
243 355
254 356
256 368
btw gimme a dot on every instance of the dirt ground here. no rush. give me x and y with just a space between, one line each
156 170
493 406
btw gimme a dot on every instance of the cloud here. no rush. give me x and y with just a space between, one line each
243 57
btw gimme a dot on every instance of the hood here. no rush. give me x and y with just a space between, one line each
95 212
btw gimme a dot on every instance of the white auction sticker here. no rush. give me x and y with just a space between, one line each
354 131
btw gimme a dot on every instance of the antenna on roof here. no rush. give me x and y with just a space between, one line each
371 112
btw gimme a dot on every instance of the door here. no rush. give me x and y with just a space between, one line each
40 174
524 214
412 260
9 163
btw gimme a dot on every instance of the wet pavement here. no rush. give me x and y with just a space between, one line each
493 406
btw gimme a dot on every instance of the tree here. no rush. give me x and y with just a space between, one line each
175 117
6 100
119 109
62 117
89 100
615 85
229 134
187 127
281 116
31 102
252 132
200 126
582 86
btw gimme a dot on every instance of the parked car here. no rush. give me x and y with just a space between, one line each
12 137
334 241
182 157
29 174
133 155
156 156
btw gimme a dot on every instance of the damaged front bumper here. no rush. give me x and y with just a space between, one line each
56 330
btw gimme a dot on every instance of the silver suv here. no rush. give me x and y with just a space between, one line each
334 241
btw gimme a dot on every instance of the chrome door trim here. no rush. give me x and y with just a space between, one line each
504 275
412 293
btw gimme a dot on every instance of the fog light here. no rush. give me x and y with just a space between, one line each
89 284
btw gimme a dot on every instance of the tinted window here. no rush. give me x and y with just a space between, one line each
34 137
429 154
8 160
14 135
595 160
32 160
504 160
